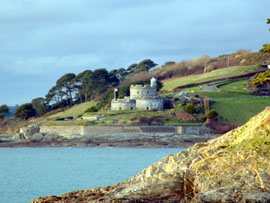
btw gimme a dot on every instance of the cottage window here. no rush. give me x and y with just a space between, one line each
131 108
147 92
147 108
138 92
120 108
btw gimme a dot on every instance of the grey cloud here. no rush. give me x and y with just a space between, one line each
39 37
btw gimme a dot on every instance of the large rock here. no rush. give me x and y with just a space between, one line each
19 138
232 168
51 137
36 137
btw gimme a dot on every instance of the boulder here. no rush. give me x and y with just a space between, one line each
234 167
51 137
7 138
18 138
36 137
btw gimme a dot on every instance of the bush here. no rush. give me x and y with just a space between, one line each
266 48
105 99
201 118
25 111
209 68
3 110
211 114
91 109
190 108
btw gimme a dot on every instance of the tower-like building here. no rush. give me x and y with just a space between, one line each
142 97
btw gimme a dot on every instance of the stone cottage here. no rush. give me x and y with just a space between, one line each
142 97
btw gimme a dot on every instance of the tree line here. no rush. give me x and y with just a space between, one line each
72 89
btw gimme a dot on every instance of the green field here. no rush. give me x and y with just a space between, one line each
221 94
238 86
216 74
239 111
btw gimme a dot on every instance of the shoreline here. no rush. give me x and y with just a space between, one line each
119 144
131 141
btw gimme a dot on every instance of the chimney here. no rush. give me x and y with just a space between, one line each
115 94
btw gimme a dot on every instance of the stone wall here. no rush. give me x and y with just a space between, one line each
121 130
62 130
149 104
103 130
193 130
140 91
123 104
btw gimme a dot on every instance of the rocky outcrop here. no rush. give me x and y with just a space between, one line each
232 168
113 140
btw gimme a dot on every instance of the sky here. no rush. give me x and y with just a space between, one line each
41 40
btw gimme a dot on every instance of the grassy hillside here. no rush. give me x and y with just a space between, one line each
239 111
75 111
215 74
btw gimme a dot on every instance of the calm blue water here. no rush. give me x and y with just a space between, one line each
28 173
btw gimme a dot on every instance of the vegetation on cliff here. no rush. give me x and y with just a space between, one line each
232 168
3 111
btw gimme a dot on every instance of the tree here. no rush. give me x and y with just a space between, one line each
262 82
100 80
40 105
121 73
65 84
25 111
55 95
82 84
113 79
145 65
132 68
266 47
168 63
3 111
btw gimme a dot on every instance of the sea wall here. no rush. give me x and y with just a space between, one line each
62 130
131 130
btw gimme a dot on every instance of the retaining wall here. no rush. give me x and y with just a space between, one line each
121 130
62 130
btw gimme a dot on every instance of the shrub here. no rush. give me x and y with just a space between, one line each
211 114
190 108
3 110
201 118
266 48
199 109
25 111
209 68
91 109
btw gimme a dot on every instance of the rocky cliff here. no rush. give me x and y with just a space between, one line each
232 168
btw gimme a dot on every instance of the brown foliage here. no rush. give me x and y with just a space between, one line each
184 116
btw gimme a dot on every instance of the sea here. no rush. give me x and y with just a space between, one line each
28 173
